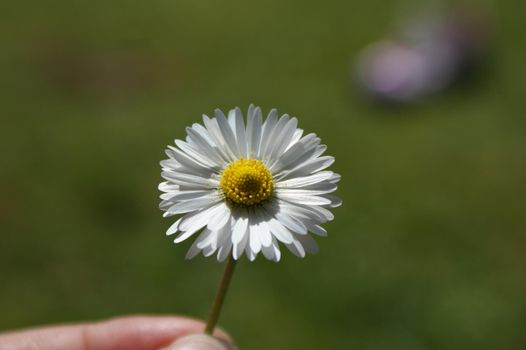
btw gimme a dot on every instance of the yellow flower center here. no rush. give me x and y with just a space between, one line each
247 182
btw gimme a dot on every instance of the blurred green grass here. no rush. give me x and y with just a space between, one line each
426 252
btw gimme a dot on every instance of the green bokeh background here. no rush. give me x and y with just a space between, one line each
427 251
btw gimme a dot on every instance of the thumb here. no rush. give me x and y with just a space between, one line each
200 342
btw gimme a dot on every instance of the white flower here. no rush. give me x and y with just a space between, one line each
244 189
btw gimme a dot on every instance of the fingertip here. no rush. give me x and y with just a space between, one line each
141 332
200 342
123 333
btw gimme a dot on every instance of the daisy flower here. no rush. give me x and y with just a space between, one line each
246 189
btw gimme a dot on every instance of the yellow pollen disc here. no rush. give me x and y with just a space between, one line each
247 182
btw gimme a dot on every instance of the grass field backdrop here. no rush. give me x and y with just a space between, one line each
427 251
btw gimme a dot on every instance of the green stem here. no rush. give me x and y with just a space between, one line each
220 295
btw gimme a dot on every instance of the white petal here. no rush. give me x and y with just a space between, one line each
303 199
227 133
240 246
215 134
167 214
268 129
314 212
240 132
251 255
186 234
224 234
190 182
203 214
169 164
207 251
275 137
201 133
232 120
335 178
254 239
186 161
205 144
251 109
309 244
254 132
221 218
193 251
262 229
188 195
283 139
295 138
205 238
275 247
194 204
168 187
303 181
335 201
268 252
165 205
224 251
280 232
302 192
167 196
326 214
240 229
301 213
317 229
311 166
324 186
296 248
193 222
197 156
174 228
291 223
297 154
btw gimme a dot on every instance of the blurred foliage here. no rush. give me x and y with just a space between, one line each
427 251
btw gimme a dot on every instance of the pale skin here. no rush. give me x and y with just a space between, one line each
124 333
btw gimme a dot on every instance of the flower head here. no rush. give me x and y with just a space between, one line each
245 189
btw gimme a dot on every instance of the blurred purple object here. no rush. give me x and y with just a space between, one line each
432 53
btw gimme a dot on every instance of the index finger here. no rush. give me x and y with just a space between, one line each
138 333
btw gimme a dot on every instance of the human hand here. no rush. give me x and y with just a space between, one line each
126 333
